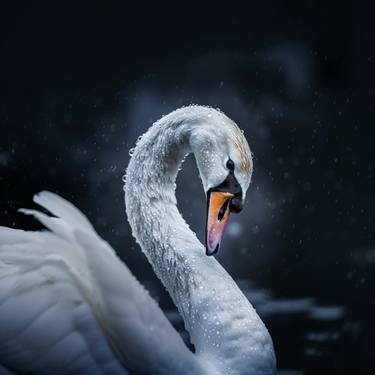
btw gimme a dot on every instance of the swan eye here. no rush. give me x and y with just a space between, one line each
230 164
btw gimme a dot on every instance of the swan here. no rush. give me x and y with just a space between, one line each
69 305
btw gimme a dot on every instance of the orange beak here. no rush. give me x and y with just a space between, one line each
217 216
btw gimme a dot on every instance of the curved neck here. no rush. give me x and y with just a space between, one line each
223 326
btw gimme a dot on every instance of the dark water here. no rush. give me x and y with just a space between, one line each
80 83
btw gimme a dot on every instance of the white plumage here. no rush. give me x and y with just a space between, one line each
68 305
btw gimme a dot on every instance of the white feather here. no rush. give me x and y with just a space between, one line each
67 299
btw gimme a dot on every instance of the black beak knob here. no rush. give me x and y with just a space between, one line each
236 204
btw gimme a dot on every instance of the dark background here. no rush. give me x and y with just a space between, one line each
79 83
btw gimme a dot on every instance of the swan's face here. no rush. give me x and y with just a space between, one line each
225 165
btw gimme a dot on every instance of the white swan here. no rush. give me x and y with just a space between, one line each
68 305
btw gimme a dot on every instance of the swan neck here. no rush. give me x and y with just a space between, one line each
223 326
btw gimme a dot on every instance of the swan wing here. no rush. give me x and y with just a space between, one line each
69 305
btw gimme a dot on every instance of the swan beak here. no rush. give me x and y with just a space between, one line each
217 216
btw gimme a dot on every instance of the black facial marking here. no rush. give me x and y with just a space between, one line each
231 185
230 164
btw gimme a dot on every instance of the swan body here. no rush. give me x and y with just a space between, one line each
69 305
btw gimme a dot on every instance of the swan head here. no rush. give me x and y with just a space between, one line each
225 166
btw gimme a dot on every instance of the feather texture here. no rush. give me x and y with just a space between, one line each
69 305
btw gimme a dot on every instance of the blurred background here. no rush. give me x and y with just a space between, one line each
80 83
